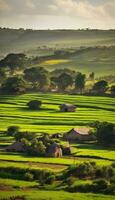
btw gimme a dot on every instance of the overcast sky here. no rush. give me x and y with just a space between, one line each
57 14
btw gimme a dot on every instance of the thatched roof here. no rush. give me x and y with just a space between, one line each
16 146
68 106
80 131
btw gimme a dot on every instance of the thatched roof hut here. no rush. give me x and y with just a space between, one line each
82 134
16 147
54 150
67 108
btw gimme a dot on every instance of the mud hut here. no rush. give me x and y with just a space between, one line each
54 150
67 108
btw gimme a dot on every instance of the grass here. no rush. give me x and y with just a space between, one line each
99 60
16 157
93 151
55 62
32 165
13 111
17 183
58 195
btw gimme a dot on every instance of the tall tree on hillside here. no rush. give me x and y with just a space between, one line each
64 80
80 82
38 76
92 76
58 72
2 75
14 61
100 87
14 85
105 133
112 89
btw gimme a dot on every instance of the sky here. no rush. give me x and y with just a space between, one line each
57 14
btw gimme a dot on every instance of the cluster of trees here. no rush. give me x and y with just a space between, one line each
16 78
103 178
105 133
33 145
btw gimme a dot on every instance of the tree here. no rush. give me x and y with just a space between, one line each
12 130
92 76
34 104
27 135
14 85
58 72
64 80
112 89
38 76
2 75
105 133
14 61
38 148
80 82
100 86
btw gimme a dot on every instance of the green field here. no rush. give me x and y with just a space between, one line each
41 195
29 40
13 111
99 60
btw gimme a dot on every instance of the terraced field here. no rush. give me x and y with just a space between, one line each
33 195
13 111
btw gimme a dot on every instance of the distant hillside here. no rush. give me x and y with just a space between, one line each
94 49
12 40
100 60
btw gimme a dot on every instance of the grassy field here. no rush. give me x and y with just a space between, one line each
27 40
55 161
13 111
49 195
99 60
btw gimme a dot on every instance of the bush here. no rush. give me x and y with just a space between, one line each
28 176
99 185
84 170
70 181
50 179
12 130
112 180
34 104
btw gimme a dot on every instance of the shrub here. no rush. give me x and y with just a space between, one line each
112 180
34 104
50 179
99 185
84 170
12 130
28 176
70 181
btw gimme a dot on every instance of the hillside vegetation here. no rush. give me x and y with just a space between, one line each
99 58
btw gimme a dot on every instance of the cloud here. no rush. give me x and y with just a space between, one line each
30 4
71 13
4 6
86 10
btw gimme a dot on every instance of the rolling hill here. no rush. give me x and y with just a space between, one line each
98 55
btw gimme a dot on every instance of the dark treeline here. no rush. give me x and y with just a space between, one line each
17 76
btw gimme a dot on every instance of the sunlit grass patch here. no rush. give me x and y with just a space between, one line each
55 62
